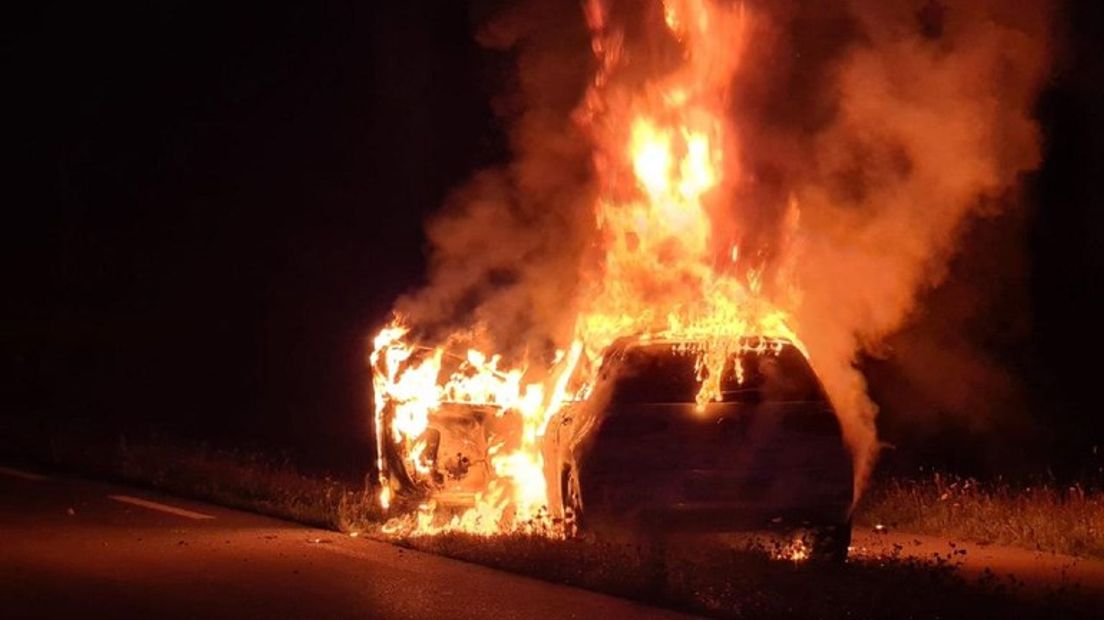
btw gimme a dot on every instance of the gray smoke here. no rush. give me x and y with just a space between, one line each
883 126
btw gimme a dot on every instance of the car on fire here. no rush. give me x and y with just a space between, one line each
640 452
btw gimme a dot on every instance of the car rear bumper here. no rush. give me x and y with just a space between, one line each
732 516
720 501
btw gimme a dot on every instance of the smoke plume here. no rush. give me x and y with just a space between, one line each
869 133
920 119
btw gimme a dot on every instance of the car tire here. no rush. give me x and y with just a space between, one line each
830 544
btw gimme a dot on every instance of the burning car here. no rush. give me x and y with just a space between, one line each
612 379
644 451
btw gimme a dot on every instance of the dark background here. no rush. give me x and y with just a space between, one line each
211 208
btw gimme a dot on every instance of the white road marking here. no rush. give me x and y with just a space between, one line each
145 503
25 475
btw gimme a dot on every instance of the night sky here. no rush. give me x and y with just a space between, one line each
212 206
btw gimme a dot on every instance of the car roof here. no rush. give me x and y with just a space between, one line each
745 342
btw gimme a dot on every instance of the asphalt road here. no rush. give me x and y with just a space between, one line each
74 548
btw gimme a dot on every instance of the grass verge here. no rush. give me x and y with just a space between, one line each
1046 516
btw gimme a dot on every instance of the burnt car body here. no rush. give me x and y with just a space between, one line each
768 456
450 459
640 453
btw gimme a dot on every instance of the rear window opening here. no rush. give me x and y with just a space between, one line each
669 373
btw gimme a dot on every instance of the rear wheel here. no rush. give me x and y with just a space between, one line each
831 543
